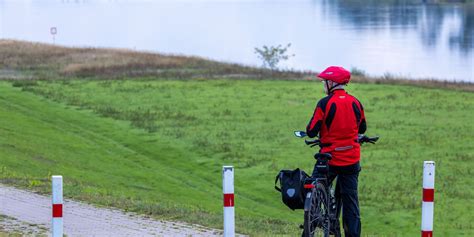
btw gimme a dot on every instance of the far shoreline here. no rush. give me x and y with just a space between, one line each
23 60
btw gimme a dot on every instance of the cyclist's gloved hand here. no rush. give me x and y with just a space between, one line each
361 138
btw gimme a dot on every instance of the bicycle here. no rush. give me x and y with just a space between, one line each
322 207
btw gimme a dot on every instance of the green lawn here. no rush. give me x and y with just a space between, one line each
158 146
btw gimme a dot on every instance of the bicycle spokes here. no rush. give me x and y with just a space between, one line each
317 220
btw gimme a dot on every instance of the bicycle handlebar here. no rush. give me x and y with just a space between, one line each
362 138
313 142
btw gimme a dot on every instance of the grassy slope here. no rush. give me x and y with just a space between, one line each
184 131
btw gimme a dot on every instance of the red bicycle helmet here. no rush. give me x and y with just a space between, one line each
336 74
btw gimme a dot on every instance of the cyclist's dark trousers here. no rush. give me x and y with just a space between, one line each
346 189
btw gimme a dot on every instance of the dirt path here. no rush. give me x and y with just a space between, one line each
26 212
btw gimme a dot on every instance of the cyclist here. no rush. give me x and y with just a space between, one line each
338 119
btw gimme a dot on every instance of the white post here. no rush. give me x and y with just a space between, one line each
428 199
57 228
228 189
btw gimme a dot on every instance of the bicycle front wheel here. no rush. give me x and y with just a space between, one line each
316 215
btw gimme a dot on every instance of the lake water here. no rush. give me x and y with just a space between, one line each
413 40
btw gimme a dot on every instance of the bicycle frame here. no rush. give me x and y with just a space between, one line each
320 178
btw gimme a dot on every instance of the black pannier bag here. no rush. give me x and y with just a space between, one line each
291 187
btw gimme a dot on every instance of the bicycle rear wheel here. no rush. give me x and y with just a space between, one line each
316 216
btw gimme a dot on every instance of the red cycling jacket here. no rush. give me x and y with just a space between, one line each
338 119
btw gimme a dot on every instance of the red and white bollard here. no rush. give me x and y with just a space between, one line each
428 199
57 223
228 189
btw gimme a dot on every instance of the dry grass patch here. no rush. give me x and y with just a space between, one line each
58 61
27 60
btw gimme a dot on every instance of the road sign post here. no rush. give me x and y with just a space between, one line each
53 30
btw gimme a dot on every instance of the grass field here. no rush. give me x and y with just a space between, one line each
157 147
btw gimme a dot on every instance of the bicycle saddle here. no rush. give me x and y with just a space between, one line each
326 156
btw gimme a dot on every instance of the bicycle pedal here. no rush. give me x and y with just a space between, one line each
301 227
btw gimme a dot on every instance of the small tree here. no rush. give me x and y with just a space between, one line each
271 56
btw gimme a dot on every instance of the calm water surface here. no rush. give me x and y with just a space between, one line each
414 40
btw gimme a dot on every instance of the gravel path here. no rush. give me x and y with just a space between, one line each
26 212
